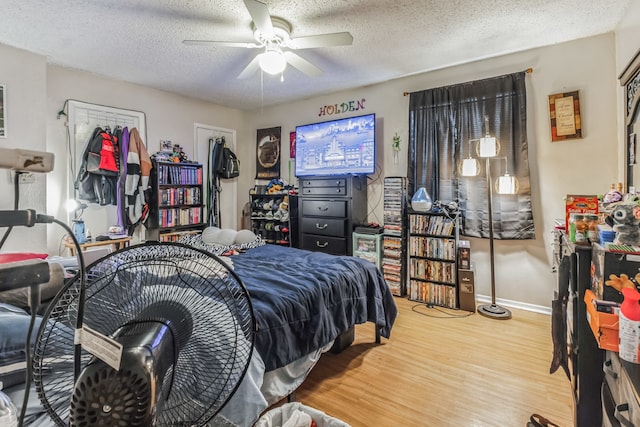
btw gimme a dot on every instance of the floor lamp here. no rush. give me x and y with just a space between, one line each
488 148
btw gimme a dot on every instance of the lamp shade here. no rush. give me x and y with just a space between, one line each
507 184
488 147
470 167
272 61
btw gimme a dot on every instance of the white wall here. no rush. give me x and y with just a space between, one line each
168 116
585 166
24 76
627 40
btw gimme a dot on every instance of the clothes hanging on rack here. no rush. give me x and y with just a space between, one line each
122 216
115 170
137 180
97 178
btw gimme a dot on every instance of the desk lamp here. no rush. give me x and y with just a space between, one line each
78 224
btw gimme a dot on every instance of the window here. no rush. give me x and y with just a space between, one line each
441 123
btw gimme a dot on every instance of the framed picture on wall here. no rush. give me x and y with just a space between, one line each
268 153
3 111
564 113
292 145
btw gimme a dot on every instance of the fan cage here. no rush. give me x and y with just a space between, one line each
213 359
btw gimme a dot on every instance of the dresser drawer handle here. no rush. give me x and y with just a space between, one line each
322 245
323 208
321 227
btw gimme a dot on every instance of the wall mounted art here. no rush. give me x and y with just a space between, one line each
564 113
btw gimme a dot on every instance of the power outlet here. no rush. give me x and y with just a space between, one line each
26 178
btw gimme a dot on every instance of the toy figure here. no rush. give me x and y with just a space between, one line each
626 223
621 282
613 195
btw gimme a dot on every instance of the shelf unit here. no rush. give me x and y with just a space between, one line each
394 260
433 243
270 217
176 207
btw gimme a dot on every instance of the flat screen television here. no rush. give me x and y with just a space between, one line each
337 147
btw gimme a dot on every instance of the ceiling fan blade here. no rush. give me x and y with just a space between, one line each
321 40
260 15
249 45
302 64
250 69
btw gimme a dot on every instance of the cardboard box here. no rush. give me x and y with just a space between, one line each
467 290
579 204
604 263
464 254
605 326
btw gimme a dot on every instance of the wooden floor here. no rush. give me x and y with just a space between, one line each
444 371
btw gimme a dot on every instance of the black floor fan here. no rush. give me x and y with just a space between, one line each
186 327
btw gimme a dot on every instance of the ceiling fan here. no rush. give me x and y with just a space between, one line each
273 34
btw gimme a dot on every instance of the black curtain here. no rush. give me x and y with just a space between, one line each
443 120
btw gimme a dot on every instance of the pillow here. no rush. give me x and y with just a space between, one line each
218 236
14 326
245 236
210 235
197 241
226 237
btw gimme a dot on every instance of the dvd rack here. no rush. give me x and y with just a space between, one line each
433 242
394 239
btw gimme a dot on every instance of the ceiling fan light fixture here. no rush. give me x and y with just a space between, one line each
272 61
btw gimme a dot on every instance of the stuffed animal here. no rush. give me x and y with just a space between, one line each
622 282
275 186
626 223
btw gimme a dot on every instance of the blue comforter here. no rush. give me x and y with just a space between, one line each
303 300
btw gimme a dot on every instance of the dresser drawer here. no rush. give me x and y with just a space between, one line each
324 226
330 208
338 182
628 408
330 245
324 191
619 395
613 375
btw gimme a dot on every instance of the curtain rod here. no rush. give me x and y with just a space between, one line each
528 71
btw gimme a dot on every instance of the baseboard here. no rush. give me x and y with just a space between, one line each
515 304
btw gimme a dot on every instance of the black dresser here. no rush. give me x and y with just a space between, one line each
329 209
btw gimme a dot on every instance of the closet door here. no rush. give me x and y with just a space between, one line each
228 199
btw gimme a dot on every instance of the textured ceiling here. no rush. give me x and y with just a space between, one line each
140 41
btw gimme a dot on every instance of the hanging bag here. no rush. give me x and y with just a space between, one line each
102 154
230 165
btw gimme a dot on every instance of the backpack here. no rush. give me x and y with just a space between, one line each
102 154
226 164
229 165
97 177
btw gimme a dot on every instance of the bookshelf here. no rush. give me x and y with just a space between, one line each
176 206
433 243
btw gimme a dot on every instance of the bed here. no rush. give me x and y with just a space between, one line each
302 302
